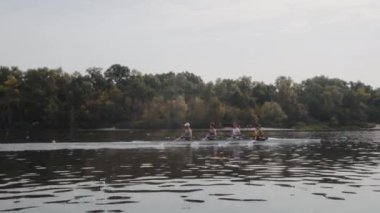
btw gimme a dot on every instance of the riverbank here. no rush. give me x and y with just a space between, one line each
113 134
326 127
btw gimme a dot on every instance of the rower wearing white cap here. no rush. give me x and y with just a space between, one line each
187 134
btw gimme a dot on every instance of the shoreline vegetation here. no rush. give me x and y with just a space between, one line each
122 98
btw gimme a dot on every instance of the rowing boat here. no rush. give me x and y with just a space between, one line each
147 144
244 142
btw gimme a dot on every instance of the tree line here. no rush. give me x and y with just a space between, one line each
125 98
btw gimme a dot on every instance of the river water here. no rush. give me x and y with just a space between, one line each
340 174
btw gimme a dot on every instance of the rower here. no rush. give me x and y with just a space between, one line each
211 134
259 134
236 131
187 134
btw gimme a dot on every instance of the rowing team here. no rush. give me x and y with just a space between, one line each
212 135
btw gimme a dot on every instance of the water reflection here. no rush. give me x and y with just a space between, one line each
266 178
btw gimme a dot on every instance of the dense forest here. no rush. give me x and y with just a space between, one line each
125 98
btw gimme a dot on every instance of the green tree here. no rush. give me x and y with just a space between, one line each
287 97
51 98
323 98
272 113
117 73
374 106
9 100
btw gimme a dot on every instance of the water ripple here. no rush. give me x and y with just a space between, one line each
205 177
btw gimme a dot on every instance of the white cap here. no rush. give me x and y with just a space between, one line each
187 124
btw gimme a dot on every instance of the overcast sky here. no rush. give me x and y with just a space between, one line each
211 38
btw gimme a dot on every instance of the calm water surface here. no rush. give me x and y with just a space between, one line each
341 174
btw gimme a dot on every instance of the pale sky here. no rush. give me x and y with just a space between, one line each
211 38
